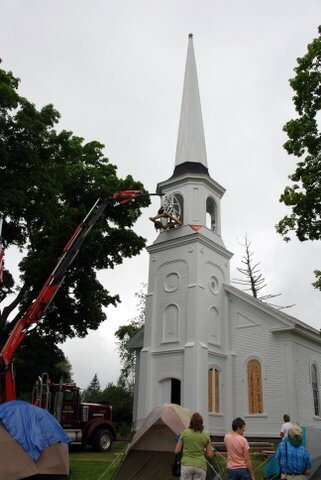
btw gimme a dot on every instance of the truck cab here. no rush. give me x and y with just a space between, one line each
84 422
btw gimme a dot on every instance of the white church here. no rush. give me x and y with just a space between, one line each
207 345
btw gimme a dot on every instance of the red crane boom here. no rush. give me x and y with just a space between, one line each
39 305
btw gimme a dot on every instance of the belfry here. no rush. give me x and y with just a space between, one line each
207 345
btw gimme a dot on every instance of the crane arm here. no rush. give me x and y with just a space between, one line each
39 305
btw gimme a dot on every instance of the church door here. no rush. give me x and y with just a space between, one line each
175 391
170 391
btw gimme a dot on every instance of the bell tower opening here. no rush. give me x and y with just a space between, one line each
180 201
211 214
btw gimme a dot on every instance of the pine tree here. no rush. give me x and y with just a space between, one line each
93 391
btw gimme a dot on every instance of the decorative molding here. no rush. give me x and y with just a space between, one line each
166 342
172 262
166 353
175 182
214 284
217 354
188 240
256 415
217 267
172 282
170 323
244 321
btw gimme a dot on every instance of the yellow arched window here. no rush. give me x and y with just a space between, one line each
214 390
255 391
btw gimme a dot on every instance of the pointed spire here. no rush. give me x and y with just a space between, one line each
191 141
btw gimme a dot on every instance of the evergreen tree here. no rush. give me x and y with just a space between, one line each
93 392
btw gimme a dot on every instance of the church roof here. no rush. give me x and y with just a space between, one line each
190 150
137 340
289 321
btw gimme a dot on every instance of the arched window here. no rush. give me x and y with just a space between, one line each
180 200
214 390
315 389
254 383
211 214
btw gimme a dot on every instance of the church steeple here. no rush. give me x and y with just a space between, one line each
190 150
191 187
185 332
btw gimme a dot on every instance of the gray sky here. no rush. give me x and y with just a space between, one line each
114 69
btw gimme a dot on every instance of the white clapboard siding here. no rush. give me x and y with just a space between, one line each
254 339
306 354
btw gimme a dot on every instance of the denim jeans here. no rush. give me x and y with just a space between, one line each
238 474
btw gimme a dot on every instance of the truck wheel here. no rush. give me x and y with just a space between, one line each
102 440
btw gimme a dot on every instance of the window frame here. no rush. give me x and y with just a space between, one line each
255 392
214 390
315 389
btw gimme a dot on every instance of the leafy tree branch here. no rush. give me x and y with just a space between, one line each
303 196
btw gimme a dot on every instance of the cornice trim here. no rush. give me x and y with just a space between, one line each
191 177
195 237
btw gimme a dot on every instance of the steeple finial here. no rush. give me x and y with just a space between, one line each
191 141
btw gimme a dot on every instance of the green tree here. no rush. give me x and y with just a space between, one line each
124 334
49 182
35 357
121 400
304 141
93 392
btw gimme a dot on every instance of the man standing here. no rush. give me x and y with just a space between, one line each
239 465
286 426
293 457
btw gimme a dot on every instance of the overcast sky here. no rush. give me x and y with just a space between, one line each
114 69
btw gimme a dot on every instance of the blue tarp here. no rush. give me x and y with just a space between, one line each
32 427
271 469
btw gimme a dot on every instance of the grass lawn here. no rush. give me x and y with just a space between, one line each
257 461
89 465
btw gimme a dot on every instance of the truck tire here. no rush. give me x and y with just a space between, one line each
102 440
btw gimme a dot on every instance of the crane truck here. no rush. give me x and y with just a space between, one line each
85 423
